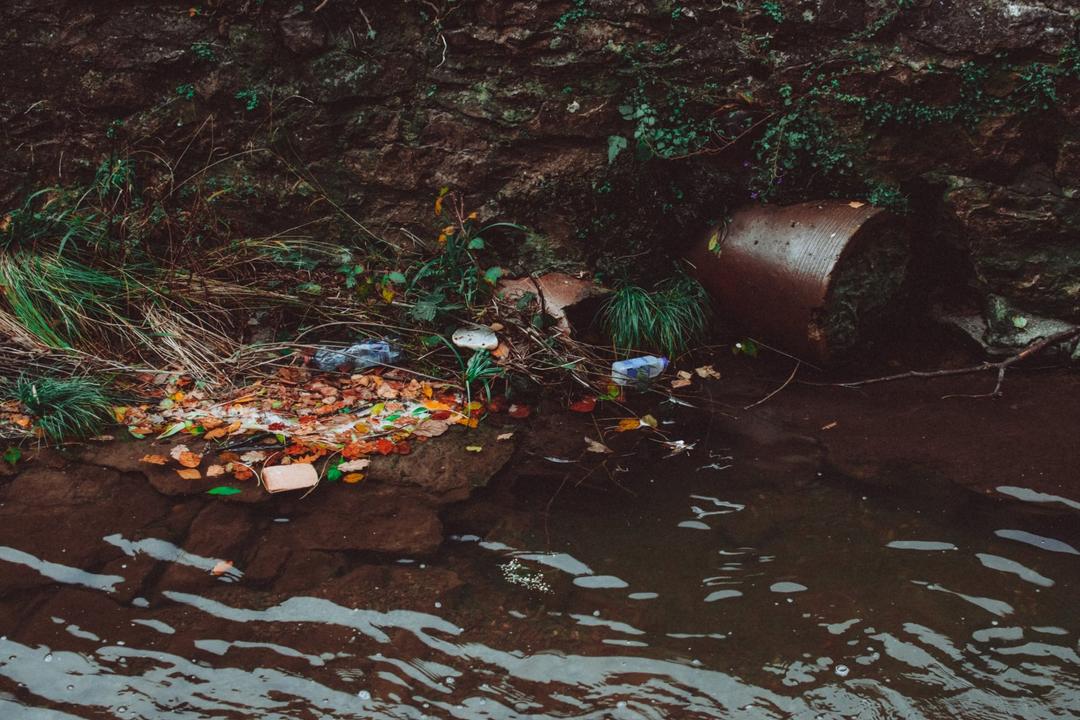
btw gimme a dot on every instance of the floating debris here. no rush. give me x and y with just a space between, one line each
517 573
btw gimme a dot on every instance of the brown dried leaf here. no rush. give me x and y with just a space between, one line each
354 465
596 447
154 459
189 473
431 428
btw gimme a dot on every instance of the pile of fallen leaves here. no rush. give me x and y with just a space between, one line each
304 416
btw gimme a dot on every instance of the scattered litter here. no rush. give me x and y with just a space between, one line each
553 292
682 379
517 573
480 338
830 426
596 447
707 371
222 567
713 466
678 446
676 401
474 448
637 370
841 670
504 436
551 458
356 357
279 478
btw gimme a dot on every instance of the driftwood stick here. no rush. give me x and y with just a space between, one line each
1001 366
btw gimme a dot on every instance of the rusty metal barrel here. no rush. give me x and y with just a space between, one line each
810 278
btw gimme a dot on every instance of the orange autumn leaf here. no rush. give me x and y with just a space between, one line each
308 459
189 473
355 450
628 424
189 459
242 472
154 459
353 478
384 446
211 423
218 432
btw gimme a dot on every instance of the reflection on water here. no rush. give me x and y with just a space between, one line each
704 595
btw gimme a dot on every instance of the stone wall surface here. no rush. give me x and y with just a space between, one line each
611 127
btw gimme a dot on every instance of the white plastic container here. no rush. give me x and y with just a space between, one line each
637 370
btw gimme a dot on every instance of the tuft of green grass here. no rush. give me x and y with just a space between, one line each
62 408
667 318
59 300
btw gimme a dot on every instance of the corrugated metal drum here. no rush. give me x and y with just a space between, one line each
775 271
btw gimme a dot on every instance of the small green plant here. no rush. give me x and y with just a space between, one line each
454 278
114 129
884 195
249 97
63 407
802 143
773 10
1070 60
1038 87
481 369
666 131
204 51
578 11
186 91
667 318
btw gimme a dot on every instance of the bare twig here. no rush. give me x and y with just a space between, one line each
1001 366
787 382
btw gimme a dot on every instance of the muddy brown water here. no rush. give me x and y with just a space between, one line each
738 579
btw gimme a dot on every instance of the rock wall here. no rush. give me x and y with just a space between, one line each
615 128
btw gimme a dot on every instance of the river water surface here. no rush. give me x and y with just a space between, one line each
717 583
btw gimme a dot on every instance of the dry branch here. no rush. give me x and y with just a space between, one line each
1001 366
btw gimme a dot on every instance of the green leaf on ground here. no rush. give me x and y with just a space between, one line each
615 145
12 455
224 490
